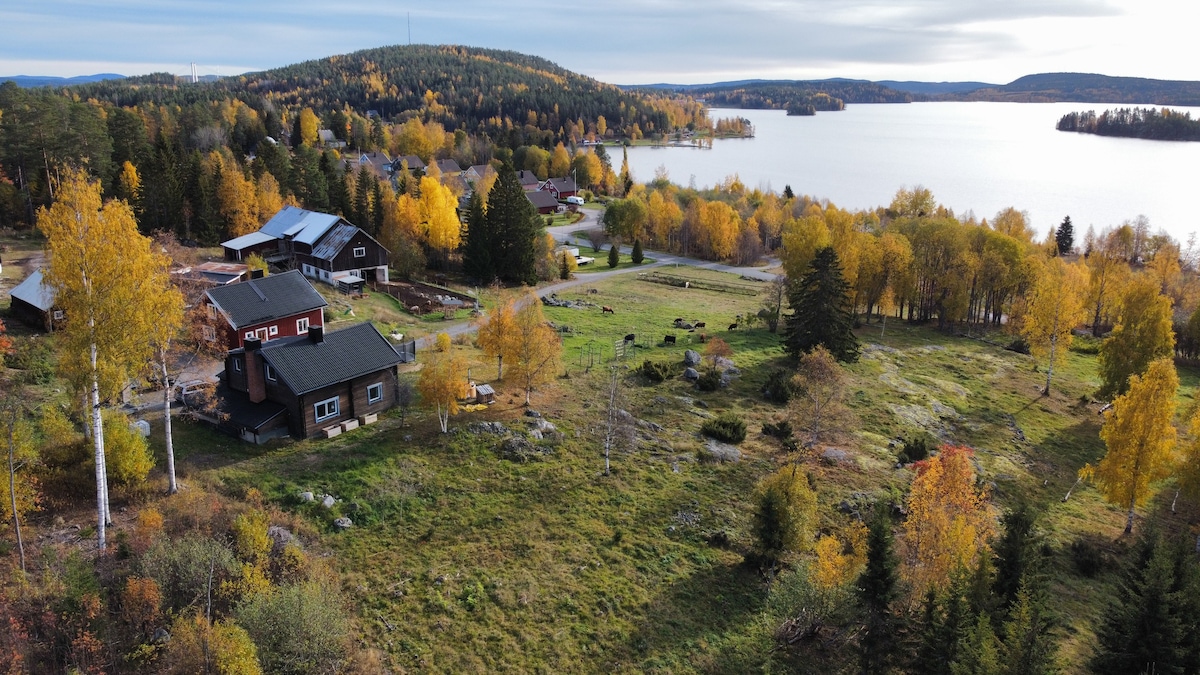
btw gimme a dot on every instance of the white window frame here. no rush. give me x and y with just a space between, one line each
360 251
237 365
332 408
209 333
263 334
378 386
269 372
302 326
274 330
212 311
249 335
58 315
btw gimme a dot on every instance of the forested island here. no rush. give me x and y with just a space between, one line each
1148 123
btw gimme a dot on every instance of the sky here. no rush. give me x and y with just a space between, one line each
619 41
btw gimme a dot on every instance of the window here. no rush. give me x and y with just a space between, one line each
274 330
58 315
375 392
237 365
326 409
212 311
249 335
208 333
269 371
302 326
360 251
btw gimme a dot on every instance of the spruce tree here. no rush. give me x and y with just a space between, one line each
1150 628
479 243
636 254
1015 553
978 649
614 256
821 312
877 590
1029 647
1064 236
515 225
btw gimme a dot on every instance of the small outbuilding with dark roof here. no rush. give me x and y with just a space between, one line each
33 303
544 202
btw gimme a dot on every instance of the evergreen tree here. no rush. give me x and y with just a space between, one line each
787 192
361 210
877 590
636 254
1151 628
978 649
1015 553
1029 647
821 313
515 225
478 244
1064 236
614 256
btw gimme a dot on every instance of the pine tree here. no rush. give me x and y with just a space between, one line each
614 256
636 254
1064 236
821 312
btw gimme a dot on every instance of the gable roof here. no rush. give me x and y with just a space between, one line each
305 365
247 240
541 199
35 291
448 166
559 184
336 240
273 297
528 178
414 163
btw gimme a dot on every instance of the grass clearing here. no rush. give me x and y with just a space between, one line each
462 560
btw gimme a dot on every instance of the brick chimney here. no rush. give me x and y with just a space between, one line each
256 384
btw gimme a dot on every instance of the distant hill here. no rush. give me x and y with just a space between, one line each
43 81
798 97
934 88
1087 88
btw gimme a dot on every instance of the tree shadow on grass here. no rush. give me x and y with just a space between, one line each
688 626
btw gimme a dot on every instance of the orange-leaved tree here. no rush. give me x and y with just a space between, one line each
1140 438
949 519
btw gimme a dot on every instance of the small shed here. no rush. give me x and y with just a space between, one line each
485 394
33 303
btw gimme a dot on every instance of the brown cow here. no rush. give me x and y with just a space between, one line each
607 310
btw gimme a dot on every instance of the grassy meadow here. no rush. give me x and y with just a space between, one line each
463 560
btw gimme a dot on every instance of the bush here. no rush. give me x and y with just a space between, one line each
1087 557
1084 344
181 568
34 358
298 629
1019 346
781 429
726 427
710 380
915 448
779 388
657 371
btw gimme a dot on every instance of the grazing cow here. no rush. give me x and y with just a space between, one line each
630 337
678 321
607 310
686 326
669 340
699 324
703 338
733 326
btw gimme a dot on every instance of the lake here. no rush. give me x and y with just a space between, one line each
979 157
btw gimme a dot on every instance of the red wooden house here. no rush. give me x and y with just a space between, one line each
267 308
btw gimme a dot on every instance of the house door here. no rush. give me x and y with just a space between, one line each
261 334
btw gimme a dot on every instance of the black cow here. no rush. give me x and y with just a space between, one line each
669 339
629 338
699 324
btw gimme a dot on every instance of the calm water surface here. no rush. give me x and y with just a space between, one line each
979 157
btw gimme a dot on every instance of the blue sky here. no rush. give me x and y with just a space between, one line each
621 41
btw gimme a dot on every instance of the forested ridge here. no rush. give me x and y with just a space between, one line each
1087 88
797 97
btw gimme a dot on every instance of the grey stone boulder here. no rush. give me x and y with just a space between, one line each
691 374
691 357
834 456
328 501
306 496
717 451
343 523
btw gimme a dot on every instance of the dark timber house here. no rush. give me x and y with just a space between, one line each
309 386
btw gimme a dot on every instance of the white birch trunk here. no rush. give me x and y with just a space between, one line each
172 486
98 444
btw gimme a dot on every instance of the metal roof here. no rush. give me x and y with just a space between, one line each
333 242
34 291
273 297
299 224
248 240
342 355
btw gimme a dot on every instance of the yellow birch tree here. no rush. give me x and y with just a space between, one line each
439 216
1138 434
496 332
105 277
1143 334
534 349
1054 308
441 384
